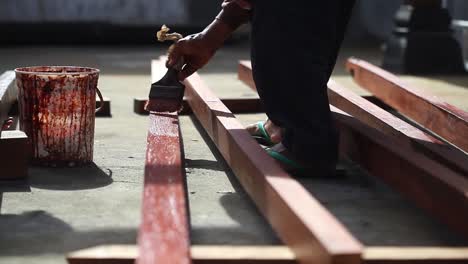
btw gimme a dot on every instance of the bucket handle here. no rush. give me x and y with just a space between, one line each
6 125
101 100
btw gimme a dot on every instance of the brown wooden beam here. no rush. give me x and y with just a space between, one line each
126 254
206 254
392 157
244 73
431 186
235 105
14 155
313 234
415 255
164 231
431 112
398 129
376 117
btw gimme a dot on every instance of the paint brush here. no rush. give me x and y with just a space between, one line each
166 95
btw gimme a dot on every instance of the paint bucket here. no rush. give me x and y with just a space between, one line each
57 111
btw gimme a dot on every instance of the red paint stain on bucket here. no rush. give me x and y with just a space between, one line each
57 112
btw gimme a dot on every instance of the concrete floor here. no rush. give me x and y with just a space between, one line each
61 210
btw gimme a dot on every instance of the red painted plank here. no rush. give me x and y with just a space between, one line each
430 185
431 112
164 230
313 234
164 233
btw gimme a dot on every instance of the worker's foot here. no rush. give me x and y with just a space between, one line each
295 167
266 133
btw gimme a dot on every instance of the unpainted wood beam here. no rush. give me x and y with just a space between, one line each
376 117
382 145
210 254
235 105
430 185
444 119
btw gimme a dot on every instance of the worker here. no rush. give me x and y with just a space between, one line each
294 48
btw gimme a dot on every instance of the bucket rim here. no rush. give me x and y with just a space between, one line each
78 70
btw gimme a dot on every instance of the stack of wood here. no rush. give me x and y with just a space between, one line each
426 163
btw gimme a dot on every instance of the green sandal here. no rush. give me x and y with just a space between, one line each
296 169
263 138
295 166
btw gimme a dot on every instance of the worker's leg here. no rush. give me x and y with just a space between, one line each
294 48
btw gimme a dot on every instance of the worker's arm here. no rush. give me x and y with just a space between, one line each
197 49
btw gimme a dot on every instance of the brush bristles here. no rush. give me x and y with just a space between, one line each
163 105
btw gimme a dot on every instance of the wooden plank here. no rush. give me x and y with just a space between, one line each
312 233
206 254
431 112
242 255
244 73
14 155
396 128
431 186
235 105
105 254
164 231
380 119
415 255
8 93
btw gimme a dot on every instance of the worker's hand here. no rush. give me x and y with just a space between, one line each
196 50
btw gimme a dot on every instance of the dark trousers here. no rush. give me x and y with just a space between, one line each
294 50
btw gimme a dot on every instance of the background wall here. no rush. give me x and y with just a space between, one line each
134 20
134 12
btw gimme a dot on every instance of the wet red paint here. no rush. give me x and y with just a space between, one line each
164 232
57 113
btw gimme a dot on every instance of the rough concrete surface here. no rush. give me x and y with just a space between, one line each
60 210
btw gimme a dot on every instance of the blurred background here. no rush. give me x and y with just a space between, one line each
120 21
102 205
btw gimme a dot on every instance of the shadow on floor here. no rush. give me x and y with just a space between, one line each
203 164
38 232
79 178
457 80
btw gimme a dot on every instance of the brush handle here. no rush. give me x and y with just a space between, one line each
171 77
